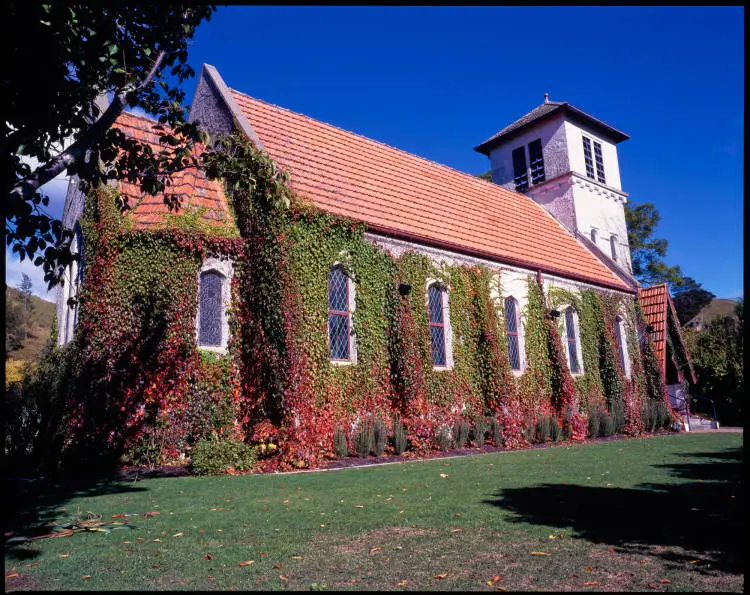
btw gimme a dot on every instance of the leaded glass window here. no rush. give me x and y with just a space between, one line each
599 158
520 175
210 323
339 316
435 302
536 161
588 158
511 330
570 332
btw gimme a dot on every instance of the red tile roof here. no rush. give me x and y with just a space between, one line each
659 311
654 305
195 190
400 194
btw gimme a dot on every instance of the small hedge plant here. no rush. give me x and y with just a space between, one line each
214 457
399 440
460 432
479 431
364 439
379 437
339 443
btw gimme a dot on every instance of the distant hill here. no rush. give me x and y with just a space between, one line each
40 325
717 307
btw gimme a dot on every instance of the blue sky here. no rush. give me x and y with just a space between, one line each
437 81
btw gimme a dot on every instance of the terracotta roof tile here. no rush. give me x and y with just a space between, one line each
194 189
654 305
402 194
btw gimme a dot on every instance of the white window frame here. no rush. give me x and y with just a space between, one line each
352 305
621 327
225 268
447 329
72 281
520 334
577 335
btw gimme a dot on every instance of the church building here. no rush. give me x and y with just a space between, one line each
405 290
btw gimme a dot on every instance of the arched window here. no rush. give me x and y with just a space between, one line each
571 338
211 309
437 310
73 277
622 349
214 294
339 315
613 246
593 235
512 330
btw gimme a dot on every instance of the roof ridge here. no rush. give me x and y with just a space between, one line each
139 116
367 138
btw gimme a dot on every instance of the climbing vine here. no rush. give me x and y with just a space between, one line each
147 393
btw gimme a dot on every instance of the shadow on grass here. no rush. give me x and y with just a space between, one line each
29 505
703 517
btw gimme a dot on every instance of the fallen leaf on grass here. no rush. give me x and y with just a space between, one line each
86 577
64 556
296 557
590 583
283 578
14 575
540 554
358 506
277 566
457 514
375 549
589 569
263 554
119 516
443 475
208 557
157 540
178 535
651 586
441 576
572 576
246 563
694 561
457 530
155 565
552 537
402 583
665 580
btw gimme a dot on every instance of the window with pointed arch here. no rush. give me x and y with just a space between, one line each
438 320
340 307
622 348
572 341
214 291
513 332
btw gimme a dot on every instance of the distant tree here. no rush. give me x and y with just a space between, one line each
28 306
63 60
689 299
717 353
647 253
13 322
485 176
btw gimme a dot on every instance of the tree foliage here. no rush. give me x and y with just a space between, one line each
56 113
647 253
718 359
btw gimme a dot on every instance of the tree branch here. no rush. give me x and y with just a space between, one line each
28 186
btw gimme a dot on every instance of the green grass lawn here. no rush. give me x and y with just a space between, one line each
662 513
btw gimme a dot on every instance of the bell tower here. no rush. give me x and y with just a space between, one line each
566 160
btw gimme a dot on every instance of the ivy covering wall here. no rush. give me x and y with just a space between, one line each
141 390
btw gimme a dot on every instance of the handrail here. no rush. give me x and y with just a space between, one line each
713 406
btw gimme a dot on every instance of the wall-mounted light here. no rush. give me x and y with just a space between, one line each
404 289
650 328
553 313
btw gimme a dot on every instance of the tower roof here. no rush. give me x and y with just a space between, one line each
545 110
